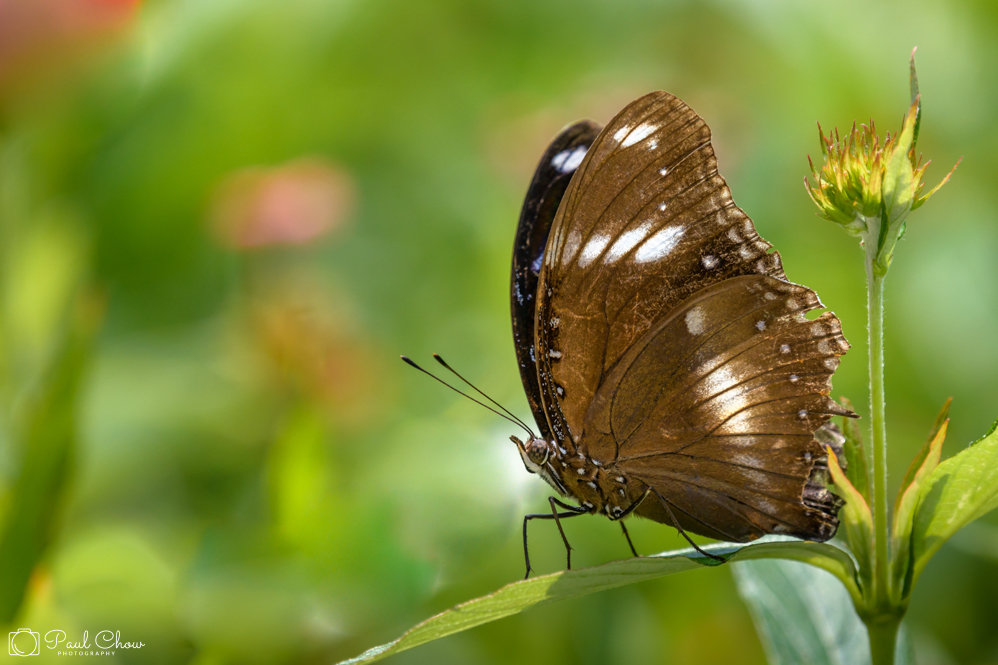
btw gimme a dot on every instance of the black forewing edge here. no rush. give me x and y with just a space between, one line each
554 172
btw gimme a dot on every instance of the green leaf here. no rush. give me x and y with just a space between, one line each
916 463
805 615
904 513
48 442
855 453
856 517
519 596
960 490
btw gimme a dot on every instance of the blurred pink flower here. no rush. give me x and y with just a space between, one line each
291 204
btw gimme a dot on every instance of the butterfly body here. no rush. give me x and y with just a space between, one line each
668 362
599 488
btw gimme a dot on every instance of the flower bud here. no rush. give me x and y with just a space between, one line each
869 187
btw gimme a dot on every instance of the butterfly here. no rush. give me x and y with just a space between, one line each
668 361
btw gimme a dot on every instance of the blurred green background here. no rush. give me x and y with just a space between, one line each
222 220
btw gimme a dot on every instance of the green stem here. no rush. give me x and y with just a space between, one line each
883 640
878 451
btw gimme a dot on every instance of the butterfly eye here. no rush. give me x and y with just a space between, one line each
537 451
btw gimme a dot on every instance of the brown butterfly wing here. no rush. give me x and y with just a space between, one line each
645 223
715 410
647 232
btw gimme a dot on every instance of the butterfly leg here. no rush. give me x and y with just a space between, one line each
628 536
627 511
675 523
575 511
579 510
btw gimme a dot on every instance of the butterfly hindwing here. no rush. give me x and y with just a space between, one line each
716 406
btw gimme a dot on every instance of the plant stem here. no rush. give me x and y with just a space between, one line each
875 318
883 640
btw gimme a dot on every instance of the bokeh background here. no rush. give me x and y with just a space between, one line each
222 221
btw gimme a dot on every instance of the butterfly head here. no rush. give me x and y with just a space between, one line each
535 452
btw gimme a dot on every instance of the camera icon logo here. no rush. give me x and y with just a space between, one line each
24 642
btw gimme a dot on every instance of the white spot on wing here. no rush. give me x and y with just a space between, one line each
760 325
659 245
567 161
784 348
626 242
694 321
572 243
663 171
619 135
642 131
747 459
720 387
709 261
593 249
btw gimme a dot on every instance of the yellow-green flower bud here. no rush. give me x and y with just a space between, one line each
870 188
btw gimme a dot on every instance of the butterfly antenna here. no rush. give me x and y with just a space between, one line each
454 372
515 421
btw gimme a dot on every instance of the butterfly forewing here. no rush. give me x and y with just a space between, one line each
645 224
554 172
